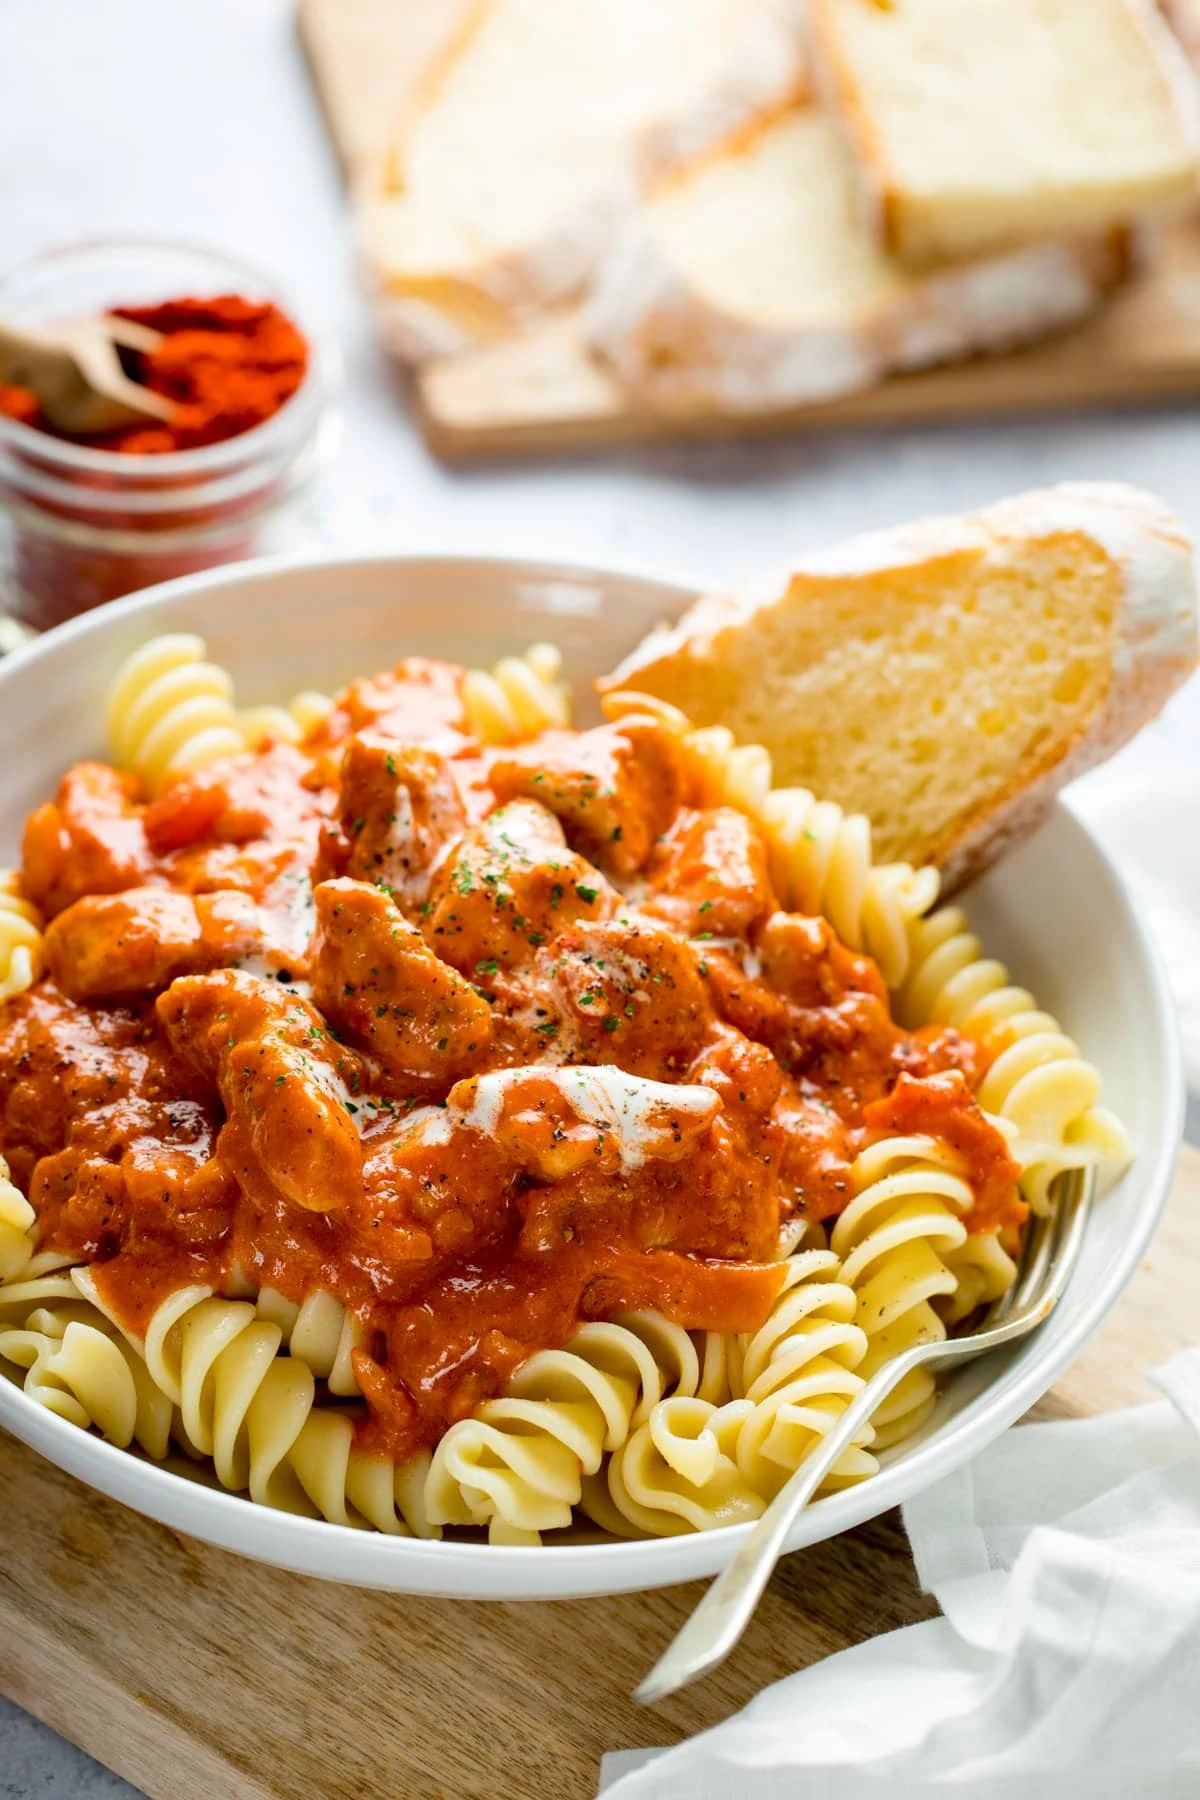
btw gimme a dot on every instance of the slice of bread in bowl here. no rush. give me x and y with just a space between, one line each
946 678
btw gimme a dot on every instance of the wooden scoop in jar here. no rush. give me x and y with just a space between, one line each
74 370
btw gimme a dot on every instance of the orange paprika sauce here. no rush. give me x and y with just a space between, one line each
331 1017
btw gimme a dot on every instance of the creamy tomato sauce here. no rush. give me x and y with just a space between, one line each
484 1043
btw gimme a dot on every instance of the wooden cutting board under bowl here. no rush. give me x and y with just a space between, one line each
540 391
200 1676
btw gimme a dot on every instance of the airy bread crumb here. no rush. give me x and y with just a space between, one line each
947 678
981 123
750 280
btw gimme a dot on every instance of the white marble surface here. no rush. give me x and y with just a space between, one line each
195 118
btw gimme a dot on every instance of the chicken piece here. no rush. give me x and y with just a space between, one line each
115 946
374 975
280 1076
616 789
259 795
120 946
88 840
400 811
512 886
419 702
434 1190
627 992
806 960
709 875
815 997
555 1122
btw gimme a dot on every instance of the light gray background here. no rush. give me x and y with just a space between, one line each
195 118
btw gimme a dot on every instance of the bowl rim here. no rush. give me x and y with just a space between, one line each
470 1570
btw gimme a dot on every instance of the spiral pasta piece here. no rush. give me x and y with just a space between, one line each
983 1269
288 724
893 1242
22 947
261 725
170 712
799 1373
517 1465
17 1222
236 1399
320 1332
308 709
820 856
694 1464
75 1364
1038 1081
518 697
676 1472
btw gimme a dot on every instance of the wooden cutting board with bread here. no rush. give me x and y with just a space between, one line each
753 214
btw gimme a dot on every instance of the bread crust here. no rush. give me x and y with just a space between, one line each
441 312
1155 644
675 349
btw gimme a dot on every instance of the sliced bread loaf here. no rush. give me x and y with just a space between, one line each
530 138
1183 16
947 678
750 280
978 124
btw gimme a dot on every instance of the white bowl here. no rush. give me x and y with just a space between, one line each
1054 909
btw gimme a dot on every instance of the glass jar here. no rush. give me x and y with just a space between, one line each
86 525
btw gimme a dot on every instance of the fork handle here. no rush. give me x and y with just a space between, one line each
706 1638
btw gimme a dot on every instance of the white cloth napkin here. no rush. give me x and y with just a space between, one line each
1066 1560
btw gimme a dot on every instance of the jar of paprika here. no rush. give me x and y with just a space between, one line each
253 422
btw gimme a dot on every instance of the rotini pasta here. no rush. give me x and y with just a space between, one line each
518 697
288 724
320 1332
641 1426
518 1465
170 712
22 952
693 1464
17 1223
676 1472
893 1242
1038 1081
799 1372
309 709
253 1412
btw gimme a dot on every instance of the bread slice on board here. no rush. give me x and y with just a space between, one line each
1183 16
948 677
751 280
530 138
977 124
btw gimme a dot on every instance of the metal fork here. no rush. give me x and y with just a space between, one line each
1051 1251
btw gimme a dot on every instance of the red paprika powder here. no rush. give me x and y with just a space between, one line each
227 363
90 520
